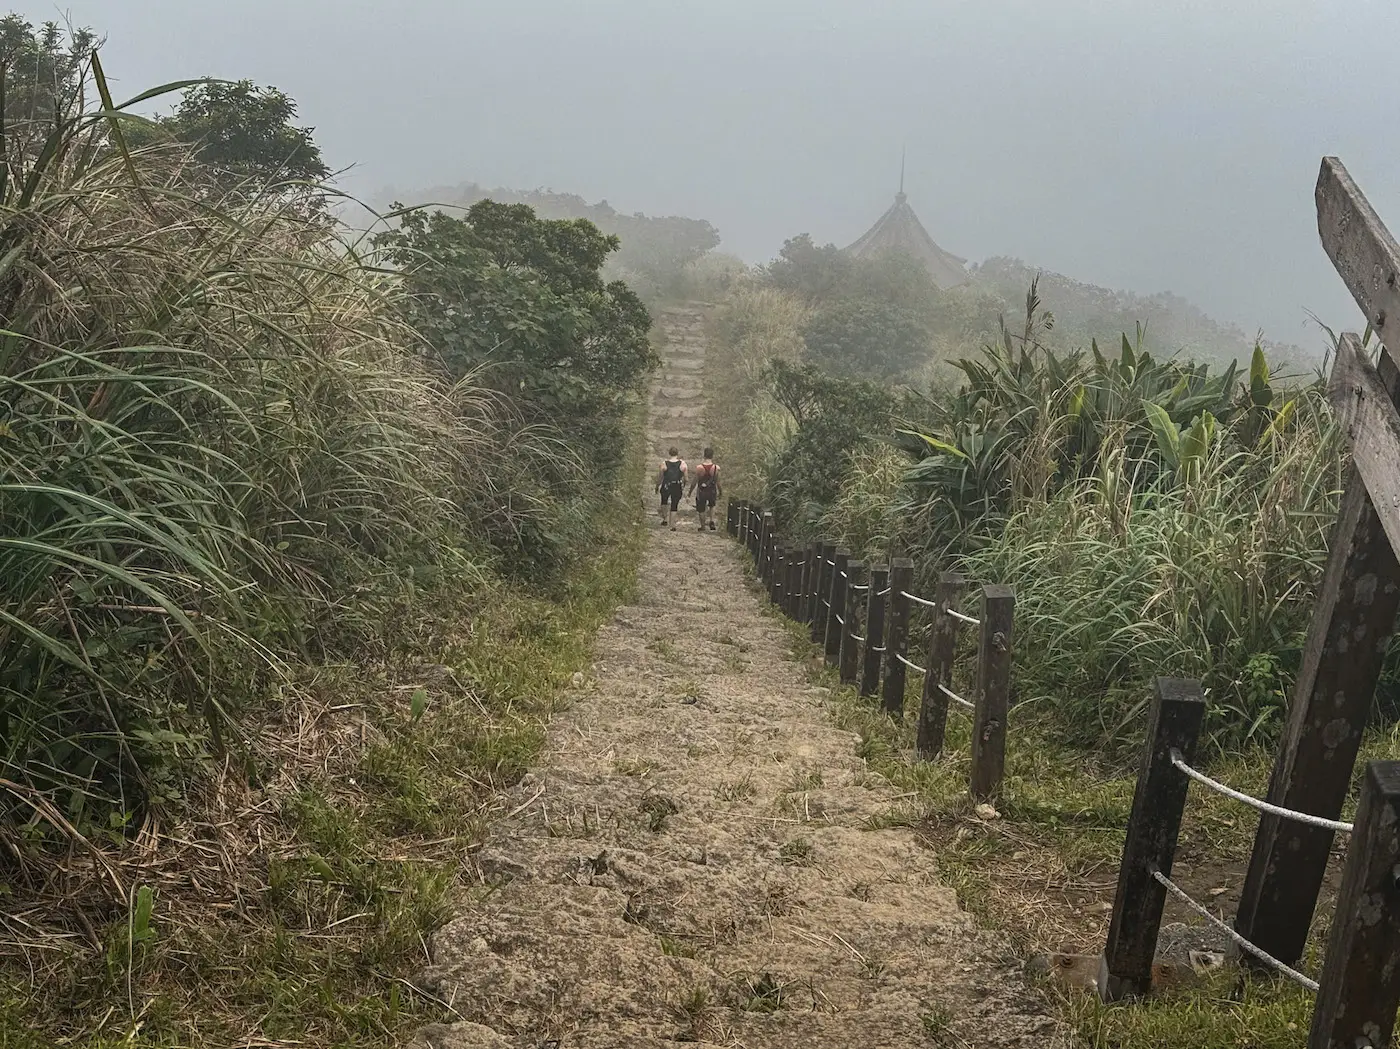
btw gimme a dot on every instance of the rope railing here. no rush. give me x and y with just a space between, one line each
1263 806
858 639
918 600
956 698
1235 938
970 620
912 666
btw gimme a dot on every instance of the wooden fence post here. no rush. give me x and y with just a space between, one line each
836 604
825 552
993 690
765 550
874 630
942 642
804 584
1359 989
1348 637
850 647
777 567
1178 708
731 517
897 641
790 562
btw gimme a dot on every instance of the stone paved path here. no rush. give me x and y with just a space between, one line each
699 858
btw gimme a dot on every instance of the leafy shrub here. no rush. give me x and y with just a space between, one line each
519 303
866 338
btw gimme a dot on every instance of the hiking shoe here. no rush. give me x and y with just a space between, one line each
712 526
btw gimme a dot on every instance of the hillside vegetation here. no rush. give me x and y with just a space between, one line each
300 540
1156 515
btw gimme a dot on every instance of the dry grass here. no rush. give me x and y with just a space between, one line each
294 898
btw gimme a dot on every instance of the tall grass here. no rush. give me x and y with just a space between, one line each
218 447
1119 582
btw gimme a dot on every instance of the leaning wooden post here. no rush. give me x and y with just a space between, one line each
874 630
993 690
825 552
1359 990
897 640
1178 709
849 661
836 604
942 643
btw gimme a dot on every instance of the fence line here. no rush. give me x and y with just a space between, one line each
860 617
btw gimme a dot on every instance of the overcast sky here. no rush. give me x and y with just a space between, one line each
1151 145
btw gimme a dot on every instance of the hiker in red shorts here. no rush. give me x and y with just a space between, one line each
706 483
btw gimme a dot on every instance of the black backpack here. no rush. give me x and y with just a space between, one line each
672 476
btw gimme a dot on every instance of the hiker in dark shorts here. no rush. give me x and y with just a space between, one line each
706 483
670 482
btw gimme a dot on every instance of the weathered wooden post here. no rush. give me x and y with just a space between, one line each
874 630
776 570
993 690
825 552
804 601
1354 616
836 604
850 648
1359 990
1178 709
731 517
897 640
942 644
765 552
799 583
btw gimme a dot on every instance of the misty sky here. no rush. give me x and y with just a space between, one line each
1142 144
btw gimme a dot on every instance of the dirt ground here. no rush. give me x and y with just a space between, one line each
702 856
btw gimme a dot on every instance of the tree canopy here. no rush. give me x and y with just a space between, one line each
246 136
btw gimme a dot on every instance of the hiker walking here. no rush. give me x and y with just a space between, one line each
705 488
670 482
